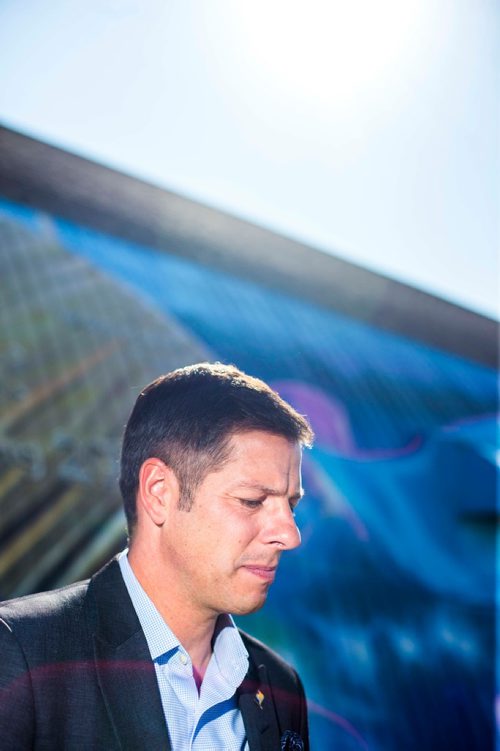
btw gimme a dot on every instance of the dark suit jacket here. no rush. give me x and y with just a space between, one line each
76 673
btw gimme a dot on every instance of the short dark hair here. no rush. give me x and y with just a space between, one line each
187 417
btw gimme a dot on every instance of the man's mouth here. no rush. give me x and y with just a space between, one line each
266 573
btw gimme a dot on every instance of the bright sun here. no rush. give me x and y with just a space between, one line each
325 51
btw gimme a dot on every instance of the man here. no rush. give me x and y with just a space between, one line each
145 655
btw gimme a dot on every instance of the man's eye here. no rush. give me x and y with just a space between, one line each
250 503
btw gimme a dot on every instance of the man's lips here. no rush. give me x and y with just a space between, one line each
266 573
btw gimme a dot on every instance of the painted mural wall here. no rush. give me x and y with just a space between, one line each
387 609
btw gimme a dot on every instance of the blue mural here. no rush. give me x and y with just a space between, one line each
387 609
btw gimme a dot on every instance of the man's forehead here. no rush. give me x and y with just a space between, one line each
265 448
264 462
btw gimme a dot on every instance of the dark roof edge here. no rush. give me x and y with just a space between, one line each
67 185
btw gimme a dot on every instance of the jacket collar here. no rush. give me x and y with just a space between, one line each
256 703
125 671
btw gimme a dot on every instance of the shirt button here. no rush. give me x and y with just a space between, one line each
183 658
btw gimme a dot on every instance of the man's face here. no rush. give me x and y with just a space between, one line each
225 550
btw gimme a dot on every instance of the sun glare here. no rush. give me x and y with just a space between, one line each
326 51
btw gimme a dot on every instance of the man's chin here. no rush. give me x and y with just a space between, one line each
251 606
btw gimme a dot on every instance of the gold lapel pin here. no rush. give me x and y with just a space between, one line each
259 698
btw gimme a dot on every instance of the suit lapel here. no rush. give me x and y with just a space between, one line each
126 673
256 705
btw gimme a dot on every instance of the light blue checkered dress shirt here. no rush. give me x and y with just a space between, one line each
210 720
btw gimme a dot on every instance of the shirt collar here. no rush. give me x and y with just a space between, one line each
229 651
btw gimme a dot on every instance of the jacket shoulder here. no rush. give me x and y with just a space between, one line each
43 604
30 616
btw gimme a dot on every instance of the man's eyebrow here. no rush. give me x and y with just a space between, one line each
268 491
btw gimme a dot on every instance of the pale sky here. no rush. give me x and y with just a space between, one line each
366 129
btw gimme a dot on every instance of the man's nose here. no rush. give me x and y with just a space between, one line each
282 529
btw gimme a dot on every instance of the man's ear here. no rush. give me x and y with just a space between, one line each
158 490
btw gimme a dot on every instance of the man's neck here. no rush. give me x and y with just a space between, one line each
194 630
